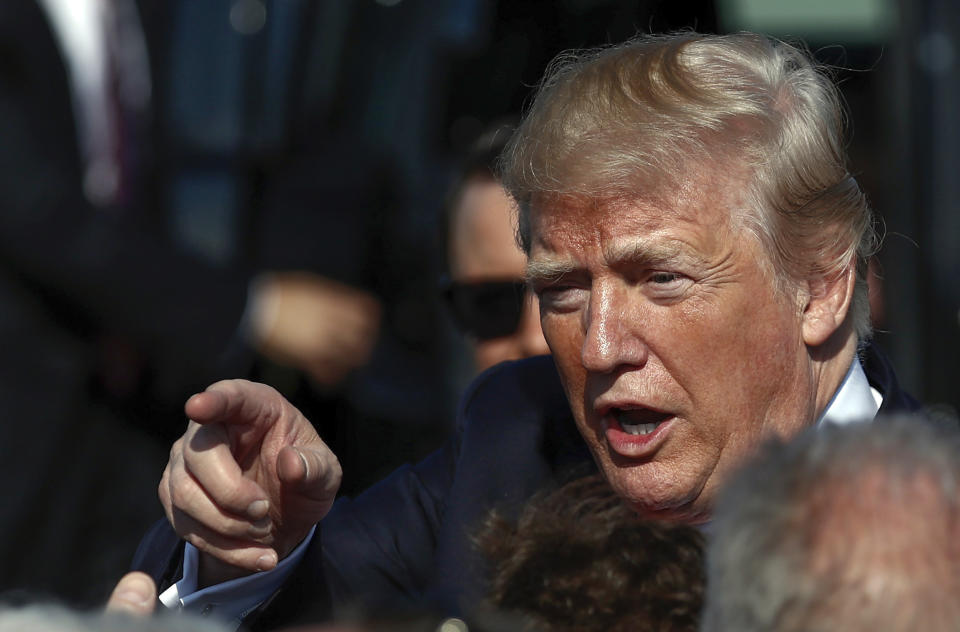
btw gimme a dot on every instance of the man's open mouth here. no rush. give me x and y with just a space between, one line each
639 421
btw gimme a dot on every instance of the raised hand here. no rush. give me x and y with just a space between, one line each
247 480
303 320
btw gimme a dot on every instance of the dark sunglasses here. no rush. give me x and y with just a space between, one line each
486 309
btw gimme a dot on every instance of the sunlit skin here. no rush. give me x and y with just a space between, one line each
483 247
661 308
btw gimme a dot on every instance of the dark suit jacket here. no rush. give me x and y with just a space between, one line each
405 541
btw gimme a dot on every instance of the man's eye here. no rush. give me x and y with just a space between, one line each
667 286
661 278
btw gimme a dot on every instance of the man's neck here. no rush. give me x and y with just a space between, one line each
831 369
855 400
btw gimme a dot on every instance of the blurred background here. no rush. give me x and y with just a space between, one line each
269 160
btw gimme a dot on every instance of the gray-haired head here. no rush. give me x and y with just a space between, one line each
635 119
850 528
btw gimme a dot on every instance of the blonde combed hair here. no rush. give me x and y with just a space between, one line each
631 120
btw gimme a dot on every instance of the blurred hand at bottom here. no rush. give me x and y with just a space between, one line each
135 594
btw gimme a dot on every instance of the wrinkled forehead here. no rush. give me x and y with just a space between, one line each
706 197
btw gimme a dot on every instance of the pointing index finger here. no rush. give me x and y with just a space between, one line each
234 402
205 407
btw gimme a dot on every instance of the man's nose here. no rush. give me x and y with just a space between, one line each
610 336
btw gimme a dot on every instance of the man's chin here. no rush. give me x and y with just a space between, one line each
656 502
673 515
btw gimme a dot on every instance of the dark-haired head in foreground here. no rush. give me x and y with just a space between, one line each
853 528
580 559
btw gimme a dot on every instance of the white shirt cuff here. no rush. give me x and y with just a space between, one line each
234 599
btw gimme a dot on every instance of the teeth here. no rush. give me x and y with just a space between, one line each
638 429
639 421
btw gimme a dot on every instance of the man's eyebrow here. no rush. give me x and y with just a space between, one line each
646 251
541 271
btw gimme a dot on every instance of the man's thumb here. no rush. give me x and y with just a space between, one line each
314 472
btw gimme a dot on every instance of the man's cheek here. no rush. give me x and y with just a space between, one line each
563 336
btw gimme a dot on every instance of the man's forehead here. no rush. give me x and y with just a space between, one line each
691 194
625 224
577 218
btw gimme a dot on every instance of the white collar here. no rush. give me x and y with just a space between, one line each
855 400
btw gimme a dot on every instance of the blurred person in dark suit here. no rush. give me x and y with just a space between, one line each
853 527
97 301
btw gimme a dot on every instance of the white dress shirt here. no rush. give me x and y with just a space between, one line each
232 600
855 400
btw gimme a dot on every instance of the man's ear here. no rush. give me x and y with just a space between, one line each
827 304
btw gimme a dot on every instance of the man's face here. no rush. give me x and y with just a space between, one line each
676 352
483 248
